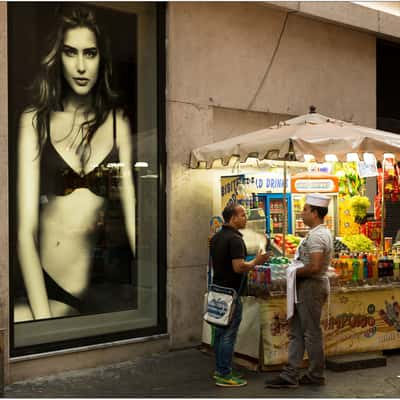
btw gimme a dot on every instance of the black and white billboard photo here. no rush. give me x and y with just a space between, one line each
73 129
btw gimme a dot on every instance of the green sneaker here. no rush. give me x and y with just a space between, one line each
229 381
235 374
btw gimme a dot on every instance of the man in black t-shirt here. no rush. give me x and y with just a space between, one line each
228 253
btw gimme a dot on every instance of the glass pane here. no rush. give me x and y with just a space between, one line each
84 144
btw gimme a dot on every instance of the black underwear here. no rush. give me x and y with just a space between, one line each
56 292
59 179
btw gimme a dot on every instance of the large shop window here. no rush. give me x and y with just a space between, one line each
86 129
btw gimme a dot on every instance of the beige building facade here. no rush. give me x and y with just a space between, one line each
231 68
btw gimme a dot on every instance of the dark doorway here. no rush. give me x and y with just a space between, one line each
388 85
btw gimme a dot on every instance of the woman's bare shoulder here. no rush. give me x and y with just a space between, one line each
28 118
122 123
121 117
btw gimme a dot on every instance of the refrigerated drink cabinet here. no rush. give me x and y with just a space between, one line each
331 219
274 212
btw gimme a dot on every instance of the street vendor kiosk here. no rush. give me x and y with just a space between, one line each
363 312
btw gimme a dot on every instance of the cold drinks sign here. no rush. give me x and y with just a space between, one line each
271 183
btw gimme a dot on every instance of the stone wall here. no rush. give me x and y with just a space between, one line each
233 68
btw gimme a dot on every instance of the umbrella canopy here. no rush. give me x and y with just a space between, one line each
311 133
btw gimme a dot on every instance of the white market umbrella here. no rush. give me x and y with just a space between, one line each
311 133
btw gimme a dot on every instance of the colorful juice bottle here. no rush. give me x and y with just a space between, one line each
356 267
255 200
375 272
251 278
381 270
361 275
343 266
338 268
370 266
364 263
349 263
385 263
248 201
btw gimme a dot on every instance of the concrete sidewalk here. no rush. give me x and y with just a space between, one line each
187 373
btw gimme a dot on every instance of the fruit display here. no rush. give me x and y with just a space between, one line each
358 243
291 243
347 225
359 207
349 181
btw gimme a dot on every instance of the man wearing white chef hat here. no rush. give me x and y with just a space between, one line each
305 332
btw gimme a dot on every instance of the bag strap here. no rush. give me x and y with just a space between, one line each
210 272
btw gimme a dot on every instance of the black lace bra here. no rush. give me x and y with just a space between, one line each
59 179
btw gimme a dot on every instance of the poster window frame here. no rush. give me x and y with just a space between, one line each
161 325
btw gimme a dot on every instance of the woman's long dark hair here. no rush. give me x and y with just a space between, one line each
49 87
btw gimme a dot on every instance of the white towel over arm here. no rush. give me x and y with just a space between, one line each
291 292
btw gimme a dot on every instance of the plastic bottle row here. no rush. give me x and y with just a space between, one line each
349 270
248 200
363 266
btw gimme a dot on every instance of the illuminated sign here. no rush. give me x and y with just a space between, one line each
308 184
